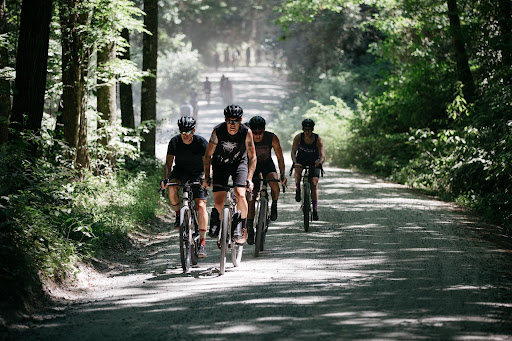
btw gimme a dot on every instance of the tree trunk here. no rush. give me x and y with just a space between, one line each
106 94
461 56
74 64
149 63
125 91
31 64
5 86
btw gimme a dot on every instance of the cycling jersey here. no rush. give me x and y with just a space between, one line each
188 157
307 154
230 148
264 147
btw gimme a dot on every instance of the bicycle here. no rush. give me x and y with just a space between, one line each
224 240
306 203
189 227
262 214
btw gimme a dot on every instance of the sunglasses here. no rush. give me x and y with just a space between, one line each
307 129
232 121
258 132
186 133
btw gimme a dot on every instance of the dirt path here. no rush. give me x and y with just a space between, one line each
382 263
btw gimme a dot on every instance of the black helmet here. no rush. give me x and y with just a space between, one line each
186 123
308 123
233 111
257 123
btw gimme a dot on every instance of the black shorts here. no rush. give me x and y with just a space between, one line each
314 172
265 168
181 176
221 175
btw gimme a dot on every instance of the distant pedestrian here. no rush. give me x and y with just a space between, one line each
207 88
248 56
216 58
227 59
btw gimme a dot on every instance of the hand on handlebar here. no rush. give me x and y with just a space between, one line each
249 185
206 183
318 164
164 183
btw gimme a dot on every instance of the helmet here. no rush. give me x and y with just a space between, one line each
186 123
257 123
308 123
233 111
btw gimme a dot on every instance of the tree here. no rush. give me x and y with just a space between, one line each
149 63
31 61
107 86
125 90
74 17
461 57
5 86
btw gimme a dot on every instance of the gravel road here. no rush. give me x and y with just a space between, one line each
382 263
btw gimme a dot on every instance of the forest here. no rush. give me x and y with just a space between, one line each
417 92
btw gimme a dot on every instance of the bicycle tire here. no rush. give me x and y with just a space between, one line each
306 205
223 239
185 253
260 227
194 241
236 253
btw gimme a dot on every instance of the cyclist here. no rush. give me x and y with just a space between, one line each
194 101
264 141
308 150
207 88
186 109
230 152
186 150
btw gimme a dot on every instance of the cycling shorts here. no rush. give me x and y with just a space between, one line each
221 175
181 176
265 168
314 172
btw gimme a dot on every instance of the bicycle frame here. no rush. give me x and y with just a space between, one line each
189 226
225 235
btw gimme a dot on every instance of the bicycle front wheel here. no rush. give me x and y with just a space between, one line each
185 249
306 204
225 225
260 227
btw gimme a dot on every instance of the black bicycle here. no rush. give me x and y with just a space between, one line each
306 204
189 226
262 215
225 240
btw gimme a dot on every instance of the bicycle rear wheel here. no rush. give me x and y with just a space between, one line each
224 226
185 250
306 204
260 227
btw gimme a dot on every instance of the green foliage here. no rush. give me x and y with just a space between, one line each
179 71
50 218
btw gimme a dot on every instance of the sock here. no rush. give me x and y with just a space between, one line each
244 223
315 205
250 222
297 186
202 241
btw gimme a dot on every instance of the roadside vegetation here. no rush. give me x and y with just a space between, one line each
422 93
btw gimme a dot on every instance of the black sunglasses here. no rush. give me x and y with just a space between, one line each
232 121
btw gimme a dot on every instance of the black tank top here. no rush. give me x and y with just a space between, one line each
230 149
264 147
307 153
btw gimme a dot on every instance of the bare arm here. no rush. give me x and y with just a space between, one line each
251 153
295 147
168 165
279 154
207 158
321 150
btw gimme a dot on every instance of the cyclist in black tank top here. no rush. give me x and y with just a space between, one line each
308 150
264 141
230 153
